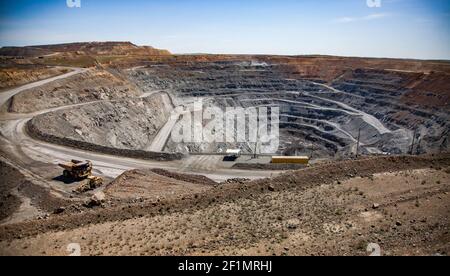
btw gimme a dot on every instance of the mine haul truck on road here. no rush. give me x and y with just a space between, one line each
79 170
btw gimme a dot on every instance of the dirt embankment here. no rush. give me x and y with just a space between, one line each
196 179
16 188
10 179
302 180
16 76
23 52
38 134
93 85
270 167
156 185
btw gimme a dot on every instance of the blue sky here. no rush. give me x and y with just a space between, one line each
399 28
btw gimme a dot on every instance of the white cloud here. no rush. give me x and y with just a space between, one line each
376 16
345 19
369 17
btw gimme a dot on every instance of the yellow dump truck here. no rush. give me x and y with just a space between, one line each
77 170
303 160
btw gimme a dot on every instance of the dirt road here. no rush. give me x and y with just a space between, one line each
6 95
19 146
369 119
160 140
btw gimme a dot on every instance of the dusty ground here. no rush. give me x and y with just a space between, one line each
156 185
25 196
401 204
9 202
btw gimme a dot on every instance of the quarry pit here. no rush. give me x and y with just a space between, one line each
117 108
318 118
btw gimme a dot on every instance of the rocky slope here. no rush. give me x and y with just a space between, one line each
315 117
93 85
16 76
122 124
150 185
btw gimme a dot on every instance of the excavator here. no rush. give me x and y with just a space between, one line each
78 171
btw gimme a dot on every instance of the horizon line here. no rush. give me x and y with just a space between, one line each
229 54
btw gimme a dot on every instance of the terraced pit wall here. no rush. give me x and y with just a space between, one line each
34 132
319 114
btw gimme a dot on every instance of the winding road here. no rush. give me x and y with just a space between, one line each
20 148
5 96
369 119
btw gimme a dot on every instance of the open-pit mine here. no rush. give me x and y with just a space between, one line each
375 133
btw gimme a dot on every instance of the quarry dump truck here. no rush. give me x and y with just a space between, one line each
79 170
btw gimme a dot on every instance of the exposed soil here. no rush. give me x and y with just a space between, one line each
159 186
15 76
400 203
196 179
270 166
93 85
17 188
9 202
